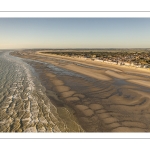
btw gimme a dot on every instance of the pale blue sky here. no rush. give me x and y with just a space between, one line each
74 33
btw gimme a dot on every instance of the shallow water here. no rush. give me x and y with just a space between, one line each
99 106
24 106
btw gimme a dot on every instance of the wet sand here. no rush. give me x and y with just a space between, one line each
102 97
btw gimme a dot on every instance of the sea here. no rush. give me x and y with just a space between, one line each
24 106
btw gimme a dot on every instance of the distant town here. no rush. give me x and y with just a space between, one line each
140 59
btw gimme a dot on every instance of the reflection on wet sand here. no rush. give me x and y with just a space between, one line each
103 98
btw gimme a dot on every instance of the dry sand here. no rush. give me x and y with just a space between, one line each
104 98
117 68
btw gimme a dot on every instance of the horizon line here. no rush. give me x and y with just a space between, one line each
66 48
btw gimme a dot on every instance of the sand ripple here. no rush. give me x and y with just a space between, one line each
103 98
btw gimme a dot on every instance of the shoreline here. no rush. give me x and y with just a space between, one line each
94 62
64 112
100 103
117 68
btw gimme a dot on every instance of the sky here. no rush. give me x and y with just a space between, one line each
20 33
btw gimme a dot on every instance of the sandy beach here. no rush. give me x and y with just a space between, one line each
102 97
